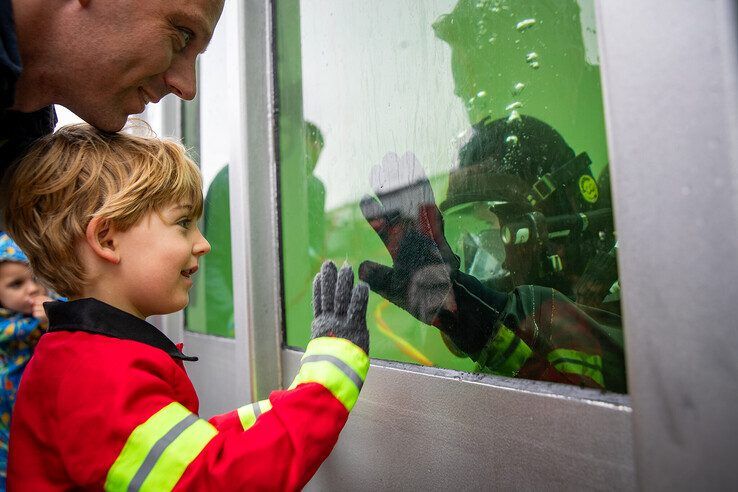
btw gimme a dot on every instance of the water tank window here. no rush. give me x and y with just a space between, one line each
455 150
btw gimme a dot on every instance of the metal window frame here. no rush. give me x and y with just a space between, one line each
670 73
254 223
671 86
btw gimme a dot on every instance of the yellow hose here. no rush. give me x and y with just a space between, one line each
405 347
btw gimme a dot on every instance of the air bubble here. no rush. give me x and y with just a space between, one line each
482 94
525 24
512 140
514 116
518 88
514 105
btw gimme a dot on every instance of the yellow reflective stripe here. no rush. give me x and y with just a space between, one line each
163 445
576 362
248 414
349 353
140 442
338 365
505 353
178 456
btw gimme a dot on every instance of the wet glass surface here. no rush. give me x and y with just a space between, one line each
210 310
454 152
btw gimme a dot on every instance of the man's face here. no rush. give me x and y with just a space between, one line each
135 52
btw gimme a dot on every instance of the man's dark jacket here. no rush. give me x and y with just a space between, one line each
17 130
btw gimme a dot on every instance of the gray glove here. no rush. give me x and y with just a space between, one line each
339 307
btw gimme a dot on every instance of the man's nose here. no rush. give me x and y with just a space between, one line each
181 78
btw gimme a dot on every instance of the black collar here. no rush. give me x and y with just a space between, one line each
93 316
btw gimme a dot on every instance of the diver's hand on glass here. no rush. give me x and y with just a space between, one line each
419 282
424 279
406 218
340 308
405 202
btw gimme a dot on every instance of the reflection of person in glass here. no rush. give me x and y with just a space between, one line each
521 209
316 195
217 215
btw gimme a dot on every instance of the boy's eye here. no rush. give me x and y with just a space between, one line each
185 223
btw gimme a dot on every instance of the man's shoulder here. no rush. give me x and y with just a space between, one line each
10 62
19 130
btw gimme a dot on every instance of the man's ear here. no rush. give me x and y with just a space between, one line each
101 238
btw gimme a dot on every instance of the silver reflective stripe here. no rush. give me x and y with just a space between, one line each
345 368
257 410
157 450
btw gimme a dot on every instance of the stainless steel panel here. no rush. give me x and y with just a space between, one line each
253 204
434 429
670 71
214 375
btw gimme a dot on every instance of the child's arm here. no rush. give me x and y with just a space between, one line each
18 327
276 444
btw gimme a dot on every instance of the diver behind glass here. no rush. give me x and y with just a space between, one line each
519 272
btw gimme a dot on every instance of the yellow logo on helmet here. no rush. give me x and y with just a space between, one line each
588 188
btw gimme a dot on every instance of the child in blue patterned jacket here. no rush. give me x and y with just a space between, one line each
22 319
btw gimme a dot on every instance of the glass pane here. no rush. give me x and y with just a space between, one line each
211 299
459 148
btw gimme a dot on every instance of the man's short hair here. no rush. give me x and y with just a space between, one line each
79 173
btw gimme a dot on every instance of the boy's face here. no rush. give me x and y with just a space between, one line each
18 287
157 258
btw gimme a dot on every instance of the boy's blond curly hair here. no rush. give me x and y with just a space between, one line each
78 173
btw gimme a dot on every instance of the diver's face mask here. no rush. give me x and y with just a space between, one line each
503 243
473 232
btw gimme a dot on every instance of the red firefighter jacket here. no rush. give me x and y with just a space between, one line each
105 403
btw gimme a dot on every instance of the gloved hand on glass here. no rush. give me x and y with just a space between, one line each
339 307
424 278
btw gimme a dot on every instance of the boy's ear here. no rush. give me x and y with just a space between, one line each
101 238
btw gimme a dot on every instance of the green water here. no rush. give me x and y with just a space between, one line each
535 58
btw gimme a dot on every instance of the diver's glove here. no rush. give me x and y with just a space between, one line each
425 279
339 307
599 275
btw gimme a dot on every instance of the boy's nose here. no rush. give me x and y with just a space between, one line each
201 246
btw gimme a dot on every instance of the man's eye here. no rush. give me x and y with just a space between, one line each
185 223
186 36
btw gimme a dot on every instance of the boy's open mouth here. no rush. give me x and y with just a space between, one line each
189 272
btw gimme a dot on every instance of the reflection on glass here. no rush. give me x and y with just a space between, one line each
210 310
491 247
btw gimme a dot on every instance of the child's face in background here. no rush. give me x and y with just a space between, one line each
18 287
157 258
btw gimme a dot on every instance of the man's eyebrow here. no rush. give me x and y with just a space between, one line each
183 206
199 21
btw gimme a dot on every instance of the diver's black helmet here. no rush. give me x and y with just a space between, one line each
500 170
502 161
